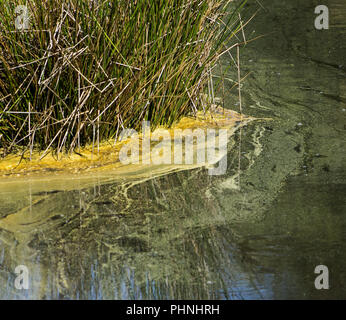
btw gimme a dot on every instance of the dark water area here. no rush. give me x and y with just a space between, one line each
188 235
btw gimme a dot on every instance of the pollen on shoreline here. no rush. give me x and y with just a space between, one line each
106 155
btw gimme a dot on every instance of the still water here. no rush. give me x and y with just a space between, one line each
188 235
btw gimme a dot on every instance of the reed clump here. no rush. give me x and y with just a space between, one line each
81 70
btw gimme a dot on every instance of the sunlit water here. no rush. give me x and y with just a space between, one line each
189 235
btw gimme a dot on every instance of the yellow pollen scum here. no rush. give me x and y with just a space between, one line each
106 156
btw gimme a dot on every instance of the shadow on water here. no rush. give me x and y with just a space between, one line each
189 235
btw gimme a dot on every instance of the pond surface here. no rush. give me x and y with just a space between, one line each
188 235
